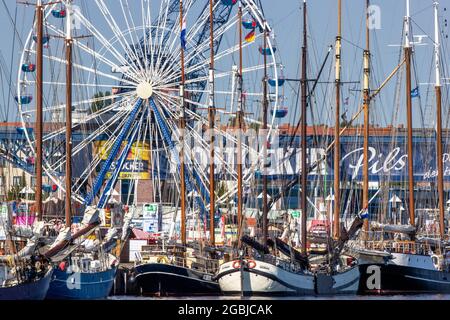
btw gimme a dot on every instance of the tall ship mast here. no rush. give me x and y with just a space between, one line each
337 129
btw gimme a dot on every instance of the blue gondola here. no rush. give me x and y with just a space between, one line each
45 39
249 24
267 51
273 82
229 2
21 130
280 112
28 67
59 13
24 99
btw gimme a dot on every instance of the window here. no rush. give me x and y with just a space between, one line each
2 181
17 180
33 181
127 191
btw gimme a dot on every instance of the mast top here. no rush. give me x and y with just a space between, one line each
69 20
407 25
436 45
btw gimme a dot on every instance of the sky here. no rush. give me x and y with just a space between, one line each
285 18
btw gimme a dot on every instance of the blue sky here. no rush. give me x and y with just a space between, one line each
284 16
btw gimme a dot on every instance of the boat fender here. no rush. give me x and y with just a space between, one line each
62 266
162 259
251 264
436 261
10 261
236 264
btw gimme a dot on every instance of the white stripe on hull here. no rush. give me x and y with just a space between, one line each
266 278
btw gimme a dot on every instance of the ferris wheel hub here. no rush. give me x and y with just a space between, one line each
144 90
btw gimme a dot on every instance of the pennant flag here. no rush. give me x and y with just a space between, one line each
183 34
415 92
364 214
250 37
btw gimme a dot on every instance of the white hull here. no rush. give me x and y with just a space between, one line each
267 279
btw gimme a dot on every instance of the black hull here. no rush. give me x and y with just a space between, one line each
405 280
170 280
35 290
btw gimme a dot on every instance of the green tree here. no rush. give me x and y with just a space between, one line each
14 191
101 101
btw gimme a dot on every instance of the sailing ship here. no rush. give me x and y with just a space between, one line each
398 258
76 275
24 273
186 269
283 270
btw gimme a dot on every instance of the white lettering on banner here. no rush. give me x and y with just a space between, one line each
130 166
287 161
391 162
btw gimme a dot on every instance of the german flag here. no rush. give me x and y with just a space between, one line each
250 37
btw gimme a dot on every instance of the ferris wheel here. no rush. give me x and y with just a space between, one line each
126 101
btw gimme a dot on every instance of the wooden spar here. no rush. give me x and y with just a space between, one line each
264 127
407 49
337 129
68 42
39 125
366 94
239 134
304 83
439 152
212 114
183 127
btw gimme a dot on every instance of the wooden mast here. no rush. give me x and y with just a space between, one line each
408 50
212 114
68 43
183 127
439 153
39 117
265 106
303 133
366 97
239 121
337 130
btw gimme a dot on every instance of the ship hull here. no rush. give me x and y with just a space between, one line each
406 273
81 286
35 290
166 279
345 283
265 279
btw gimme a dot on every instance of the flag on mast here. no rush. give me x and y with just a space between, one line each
183 34
250 37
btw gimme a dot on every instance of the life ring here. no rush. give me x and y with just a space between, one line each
162 259
251 264
236 264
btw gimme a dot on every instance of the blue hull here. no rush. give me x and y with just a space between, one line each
36 290
81 286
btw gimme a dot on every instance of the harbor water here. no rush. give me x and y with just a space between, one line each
441 297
